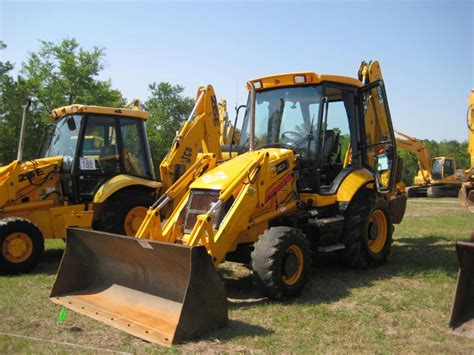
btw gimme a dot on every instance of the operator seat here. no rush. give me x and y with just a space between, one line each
108 159
330 158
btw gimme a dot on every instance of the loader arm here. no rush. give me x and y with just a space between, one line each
252 189
201 133
420 150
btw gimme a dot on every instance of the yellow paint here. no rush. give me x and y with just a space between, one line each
17 247
352 183
203 132
296 252
119 182
72 109
379 219
134 219
280 80
318 200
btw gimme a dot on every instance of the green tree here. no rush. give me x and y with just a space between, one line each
13 95
169 108
58 74
64 73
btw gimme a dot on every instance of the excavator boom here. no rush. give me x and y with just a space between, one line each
422 153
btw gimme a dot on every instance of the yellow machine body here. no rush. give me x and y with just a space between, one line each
34 203
466 193
234 209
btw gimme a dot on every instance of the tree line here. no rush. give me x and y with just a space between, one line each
62 73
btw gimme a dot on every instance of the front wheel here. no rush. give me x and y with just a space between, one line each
125 211
281 262
367 232
22 245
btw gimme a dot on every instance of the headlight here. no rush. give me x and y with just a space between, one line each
200 202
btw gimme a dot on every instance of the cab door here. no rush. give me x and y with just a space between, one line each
378 141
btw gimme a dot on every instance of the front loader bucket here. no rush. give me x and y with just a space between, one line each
462 314
161 292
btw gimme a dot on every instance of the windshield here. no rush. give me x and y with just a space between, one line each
284 116
64 139
437 169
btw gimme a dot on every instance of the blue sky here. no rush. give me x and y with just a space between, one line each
425 48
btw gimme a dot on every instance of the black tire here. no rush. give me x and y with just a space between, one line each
281 262
117 208
364 246
30 238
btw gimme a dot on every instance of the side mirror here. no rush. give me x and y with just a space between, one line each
71 124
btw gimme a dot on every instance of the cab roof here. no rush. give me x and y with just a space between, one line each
72 109
300 78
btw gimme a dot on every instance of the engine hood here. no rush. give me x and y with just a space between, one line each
224 174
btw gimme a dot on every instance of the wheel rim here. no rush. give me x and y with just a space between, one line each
377 231
134 219
17 247
292 265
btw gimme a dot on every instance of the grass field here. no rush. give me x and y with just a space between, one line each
402 306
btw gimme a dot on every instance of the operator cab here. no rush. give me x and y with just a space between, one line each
317 117
96 144
442 168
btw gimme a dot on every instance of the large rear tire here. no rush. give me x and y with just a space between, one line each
281 262
21 245
125 211
368 230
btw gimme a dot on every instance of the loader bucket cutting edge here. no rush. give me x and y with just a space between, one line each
161 292
462 314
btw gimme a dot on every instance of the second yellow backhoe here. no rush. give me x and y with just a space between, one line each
436 177
316 172
96 171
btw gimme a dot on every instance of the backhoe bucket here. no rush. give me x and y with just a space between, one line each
462 314
161 292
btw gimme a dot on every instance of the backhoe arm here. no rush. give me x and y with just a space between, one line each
201 133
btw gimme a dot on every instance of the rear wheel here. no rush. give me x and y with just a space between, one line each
21 244
367 231
281 262
125 211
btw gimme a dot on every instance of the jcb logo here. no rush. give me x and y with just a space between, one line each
30 175
215 110
187 154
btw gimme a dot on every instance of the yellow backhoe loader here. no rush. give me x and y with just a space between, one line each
466 193
436 177
96 172
316 172
462 314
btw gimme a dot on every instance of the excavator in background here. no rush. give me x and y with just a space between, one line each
436 177
96 171
287 194
462 313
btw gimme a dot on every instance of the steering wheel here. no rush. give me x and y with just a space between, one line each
291 136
